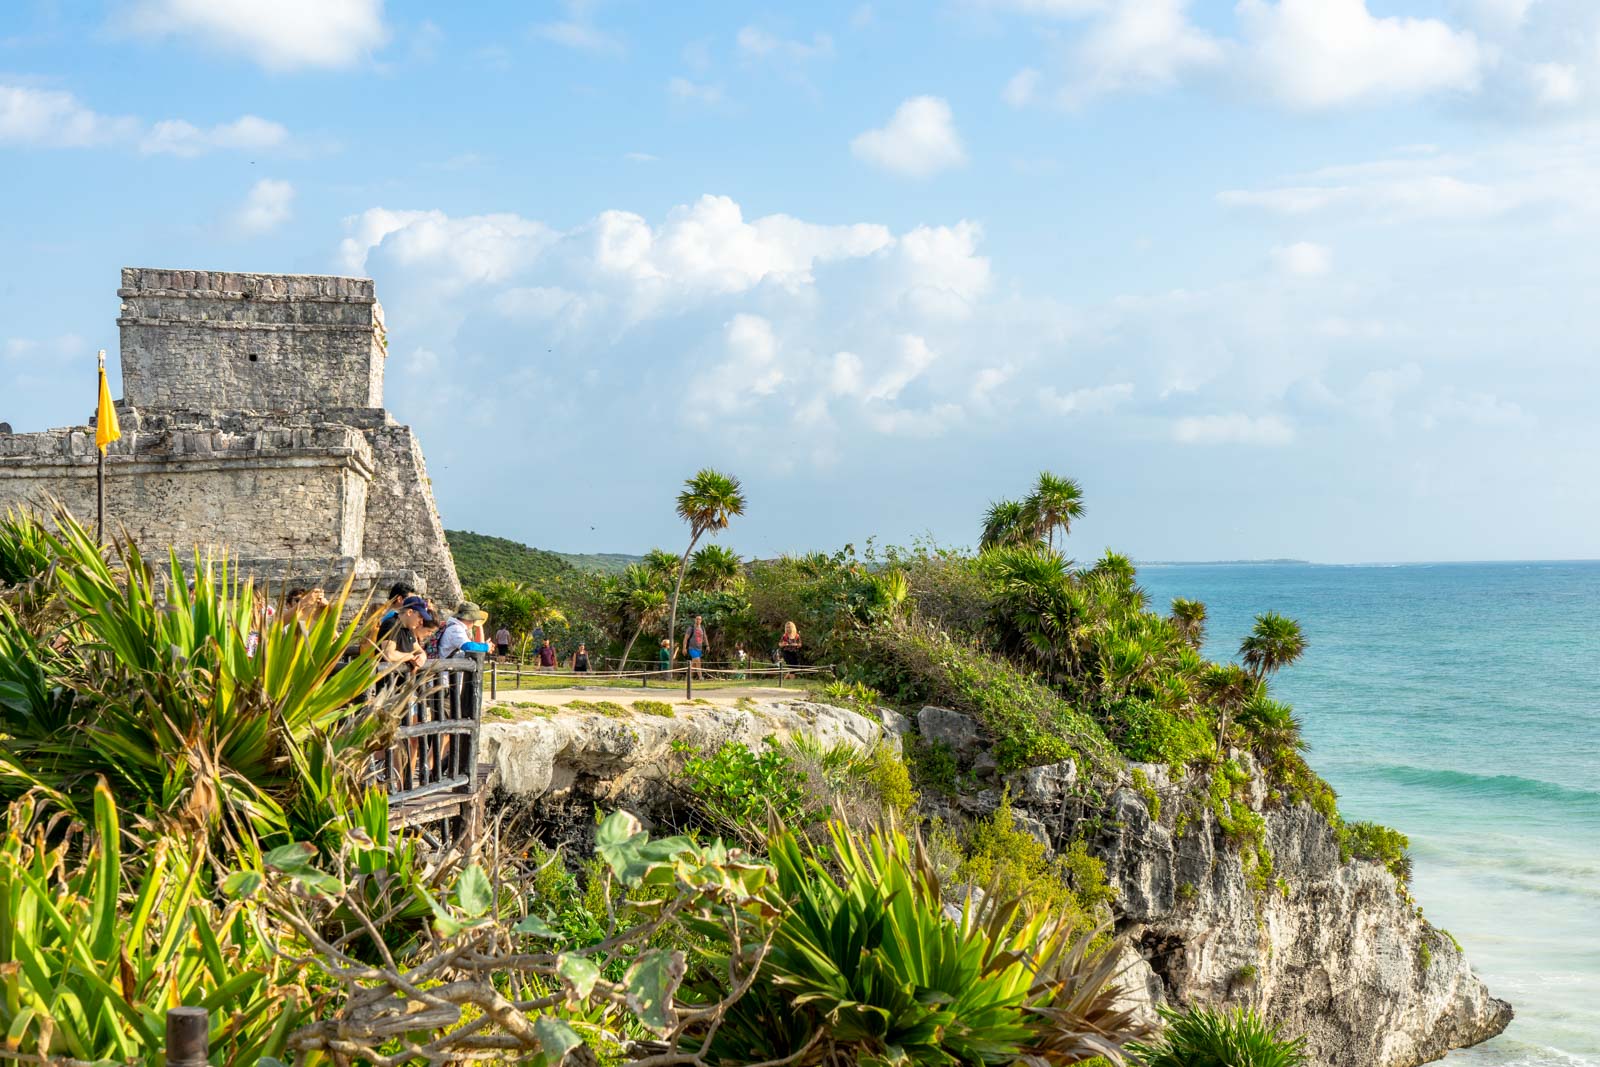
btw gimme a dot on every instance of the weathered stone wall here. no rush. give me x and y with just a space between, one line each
277 492
252 421
220 341
402 519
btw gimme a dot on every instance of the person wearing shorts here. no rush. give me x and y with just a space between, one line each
694 643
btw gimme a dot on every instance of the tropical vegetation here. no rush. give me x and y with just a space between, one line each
810 909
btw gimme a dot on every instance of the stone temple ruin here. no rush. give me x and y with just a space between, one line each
252 421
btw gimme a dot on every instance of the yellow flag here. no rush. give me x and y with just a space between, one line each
106 429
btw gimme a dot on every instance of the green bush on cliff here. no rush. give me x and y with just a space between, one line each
1206 1037
1378 844
742 792
1028 722
1152 734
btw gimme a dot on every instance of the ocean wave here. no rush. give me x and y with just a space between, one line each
1488 785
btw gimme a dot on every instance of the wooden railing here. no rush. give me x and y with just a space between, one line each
431 768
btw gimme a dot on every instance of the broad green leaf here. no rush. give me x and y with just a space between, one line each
532 924
581 973
241 884
474 893
556 1038
651 983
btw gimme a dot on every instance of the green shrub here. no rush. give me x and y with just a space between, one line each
866 953
998 857
90 975
932 766
1148 733
157 690
742 792
654 707
1378 844
1028 723
888 776
1147 792
1203 1037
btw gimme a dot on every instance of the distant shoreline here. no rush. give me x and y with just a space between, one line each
1227 563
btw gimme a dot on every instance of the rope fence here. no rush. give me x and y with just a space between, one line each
515 674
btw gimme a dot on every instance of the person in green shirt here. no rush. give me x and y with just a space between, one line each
664 656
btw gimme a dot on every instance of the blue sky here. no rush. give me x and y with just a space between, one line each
1304 278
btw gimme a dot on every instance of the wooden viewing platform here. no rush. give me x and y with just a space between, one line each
435 781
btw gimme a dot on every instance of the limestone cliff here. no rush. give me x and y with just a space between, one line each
1329 948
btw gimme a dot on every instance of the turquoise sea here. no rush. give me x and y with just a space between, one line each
1459 703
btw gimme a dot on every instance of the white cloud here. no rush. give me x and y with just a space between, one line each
919 140
1235 429
1021 88
1483 410
1096 400
180 138
905 422
1379 391
754 44
53 119
267 206
579 36
709 246
1068 9
1556 84
1326 53
912 358
475 248
1419 196
282 35
940 270
846 375
1303 259
640 157
684 89
752 369
50 118
1139 46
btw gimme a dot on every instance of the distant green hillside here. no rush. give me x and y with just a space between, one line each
599 562
480 557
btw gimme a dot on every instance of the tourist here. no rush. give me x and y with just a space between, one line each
398 644
694 643
502 642
664 656
458 630
397 596
547 655
789 644
428 635
580 659
741 660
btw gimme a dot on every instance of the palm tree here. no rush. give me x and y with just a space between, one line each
638 597
1054 503
714 569
1189 617
662 564
708 502
1007 523
515 606
1275 643
1228 687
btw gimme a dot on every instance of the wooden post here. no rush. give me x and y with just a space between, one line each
188 1037
494 679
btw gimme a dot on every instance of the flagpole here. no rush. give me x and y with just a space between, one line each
100 473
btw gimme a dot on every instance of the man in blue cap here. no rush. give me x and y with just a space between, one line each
397 640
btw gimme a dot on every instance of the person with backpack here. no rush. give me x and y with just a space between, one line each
694 643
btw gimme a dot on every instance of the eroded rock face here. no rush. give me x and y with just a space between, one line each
1332 950
628 760
1343 956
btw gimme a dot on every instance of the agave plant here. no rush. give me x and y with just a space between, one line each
868 965
89 971
201 714
1203 1037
